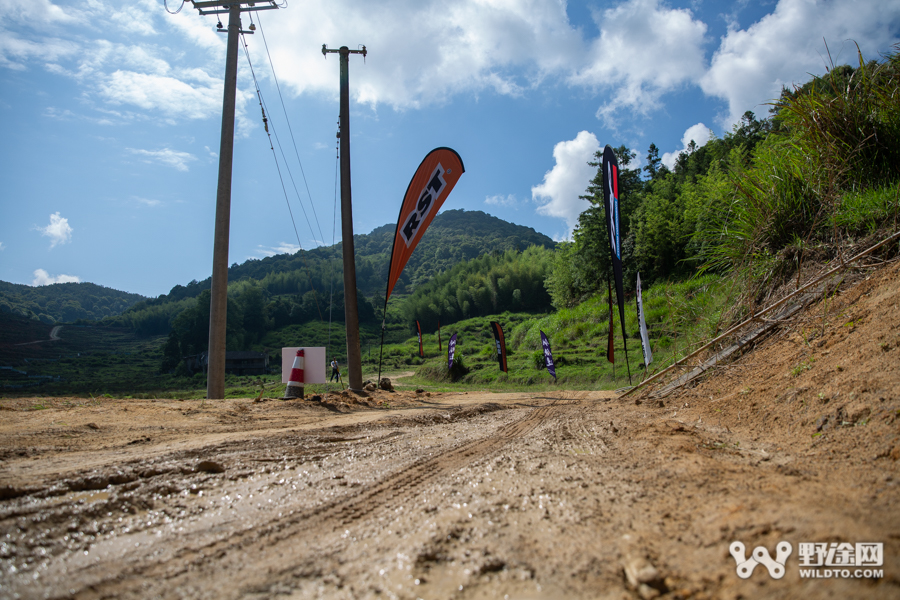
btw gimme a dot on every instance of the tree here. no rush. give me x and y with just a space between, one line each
252 302
171 354
653 161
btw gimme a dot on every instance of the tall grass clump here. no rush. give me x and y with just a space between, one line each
847 129
829 172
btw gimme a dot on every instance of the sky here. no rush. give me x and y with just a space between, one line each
112 114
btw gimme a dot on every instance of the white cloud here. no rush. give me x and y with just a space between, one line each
15 50
147 201
281 248
423 52
699 134
644 50
195 95
2 247
501 200
138 76
166 156
55 113
751 65
42 12
59 231
133 17
42 277
568 179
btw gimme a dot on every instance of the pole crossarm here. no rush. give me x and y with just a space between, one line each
222 6
345 49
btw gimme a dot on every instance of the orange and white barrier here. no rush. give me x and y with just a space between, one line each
294 387
315 364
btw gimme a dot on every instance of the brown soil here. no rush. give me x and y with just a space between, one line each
473 495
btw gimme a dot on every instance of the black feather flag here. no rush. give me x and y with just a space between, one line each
611 206
501 344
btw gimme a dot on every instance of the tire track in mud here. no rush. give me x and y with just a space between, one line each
205 561
397 488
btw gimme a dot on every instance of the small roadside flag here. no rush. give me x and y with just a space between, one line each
548 355
451 350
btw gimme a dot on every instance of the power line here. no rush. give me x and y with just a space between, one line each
166 4
290 129
281 149
293 183
278 168
333 247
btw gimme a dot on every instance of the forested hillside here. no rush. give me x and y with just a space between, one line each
735 224
275 293
454 236
750 211
491 284
821 171
64 302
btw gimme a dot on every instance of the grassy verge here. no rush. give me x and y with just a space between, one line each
680 317
97 361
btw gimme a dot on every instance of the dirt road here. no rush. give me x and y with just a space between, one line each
54 336
476 495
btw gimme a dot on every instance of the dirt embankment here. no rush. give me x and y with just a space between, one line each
477 495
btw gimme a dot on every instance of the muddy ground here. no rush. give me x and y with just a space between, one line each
474 495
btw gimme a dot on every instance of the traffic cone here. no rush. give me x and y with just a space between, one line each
294 387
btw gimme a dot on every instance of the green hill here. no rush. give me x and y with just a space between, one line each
300 287
64 302
454 236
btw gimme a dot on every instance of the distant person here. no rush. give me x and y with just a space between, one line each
335 371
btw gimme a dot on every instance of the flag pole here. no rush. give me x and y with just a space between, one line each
637 308
381 351
624 340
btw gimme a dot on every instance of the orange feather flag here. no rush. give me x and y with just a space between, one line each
429 187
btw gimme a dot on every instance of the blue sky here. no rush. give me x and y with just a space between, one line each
112 112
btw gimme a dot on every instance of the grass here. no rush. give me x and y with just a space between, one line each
101 361
804 366
863 212
680 317
830 175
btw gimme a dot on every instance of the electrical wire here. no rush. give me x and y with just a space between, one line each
290 129
278 168
183 2
286 166
337 157
293 183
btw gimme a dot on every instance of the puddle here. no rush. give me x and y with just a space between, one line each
90 497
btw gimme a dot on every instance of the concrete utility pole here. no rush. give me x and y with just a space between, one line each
218 303
351 305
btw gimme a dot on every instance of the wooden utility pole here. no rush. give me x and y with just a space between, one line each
218 302
351 306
